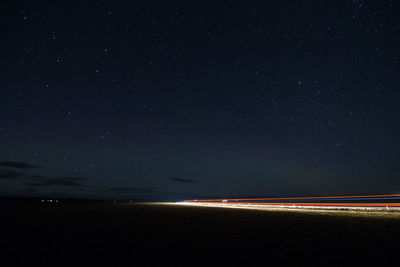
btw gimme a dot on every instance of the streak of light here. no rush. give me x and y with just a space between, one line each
290 198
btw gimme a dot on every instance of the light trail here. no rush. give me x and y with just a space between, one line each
313 204
339 202
288 198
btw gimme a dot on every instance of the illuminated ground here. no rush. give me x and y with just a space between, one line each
297 208
376 207
106 234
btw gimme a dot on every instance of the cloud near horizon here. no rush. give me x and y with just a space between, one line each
181 180
10 175
44 181
18 165
36 180
131 190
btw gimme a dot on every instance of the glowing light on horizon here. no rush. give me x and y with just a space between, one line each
344 202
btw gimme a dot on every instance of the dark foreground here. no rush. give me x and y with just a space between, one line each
89 234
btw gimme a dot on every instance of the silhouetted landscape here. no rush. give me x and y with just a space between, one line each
73 233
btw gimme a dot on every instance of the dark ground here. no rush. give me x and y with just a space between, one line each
102 234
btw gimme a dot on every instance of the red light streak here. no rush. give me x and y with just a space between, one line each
288 198
312 204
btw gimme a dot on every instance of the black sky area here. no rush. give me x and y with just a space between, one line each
166 100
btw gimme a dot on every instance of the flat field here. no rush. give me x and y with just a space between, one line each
106 234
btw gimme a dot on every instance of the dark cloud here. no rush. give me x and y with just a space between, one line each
10 175
181 180
131 190
43 181
30 190
18 165
35 177
54 182
37 180
86 189
74 178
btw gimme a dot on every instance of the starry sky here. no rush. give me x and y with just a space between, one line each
169 100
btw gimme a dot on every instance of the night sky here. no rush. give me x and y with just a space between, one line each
154 100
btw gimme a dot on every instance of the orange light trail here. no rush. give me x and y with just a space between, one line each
288 198
359 201
313 204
